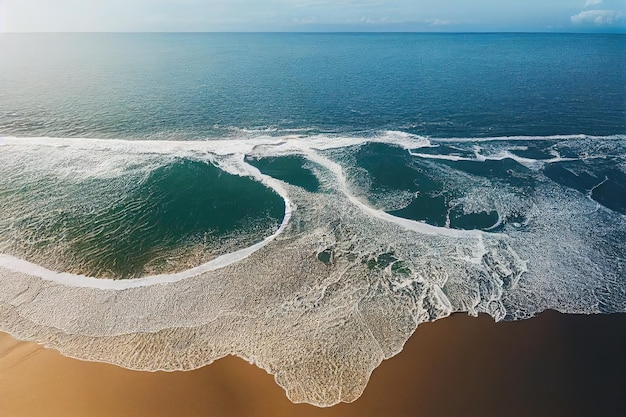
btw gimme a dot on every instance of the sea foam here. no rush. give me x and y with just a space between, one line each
321 324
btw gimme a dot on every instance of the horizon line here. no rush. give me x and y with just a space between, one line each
547 32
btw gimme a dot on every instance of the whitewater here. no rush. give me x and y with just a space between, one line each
349 271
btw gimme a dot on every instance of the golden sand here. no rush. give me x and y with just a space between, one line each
553 365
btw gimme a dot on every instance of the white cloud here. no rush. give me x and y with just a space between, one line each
597 17
376 21
309 20
439 22
592 3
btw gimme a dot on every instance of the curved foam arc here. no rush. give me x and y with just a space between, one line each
340 320
239 148
413 225
527 162
19 265
284 144
497 223
229 147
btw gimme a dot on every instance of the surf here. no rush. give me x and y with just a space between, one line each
374 237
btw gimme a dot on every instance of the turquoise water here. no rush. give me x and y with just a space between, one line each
291 169
498 133
178 213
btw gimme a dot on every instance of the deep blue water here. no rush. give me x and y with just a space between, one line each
191 86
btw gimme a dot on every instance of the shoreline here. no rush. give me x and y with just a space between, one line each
553 364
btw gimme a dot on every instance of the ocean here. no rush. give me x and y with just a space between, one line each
168 199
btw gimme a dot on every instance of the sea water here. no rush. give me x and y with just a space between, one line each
167 199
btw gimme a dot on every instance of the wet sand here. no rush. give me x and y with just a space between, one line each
553 365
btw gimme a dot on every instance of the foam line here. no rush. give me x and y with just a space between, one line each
413 225
238 147
18 265
527 162
337 320
241 147
530 138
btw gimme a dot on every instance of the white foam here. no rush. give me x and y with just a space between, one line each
237 149
530 138
19 265
281 306
454 158
496 224
590 192
505 154
419 227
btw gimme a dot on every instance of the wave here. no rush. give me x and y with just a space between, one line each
580 136
112 214
398 230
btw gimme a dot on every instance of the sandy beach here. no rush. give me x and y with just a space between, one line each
553 365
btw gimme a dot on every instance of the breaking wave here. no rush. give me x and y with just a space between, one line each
340 245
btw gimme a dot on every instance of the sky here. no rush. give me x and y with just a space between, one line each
312 15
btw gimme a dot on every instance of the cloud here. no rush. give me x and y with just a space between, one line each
377 21
597 17
309 20
439 22
592 3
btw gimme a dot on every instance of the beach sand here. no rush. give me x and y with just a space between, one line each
552 365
